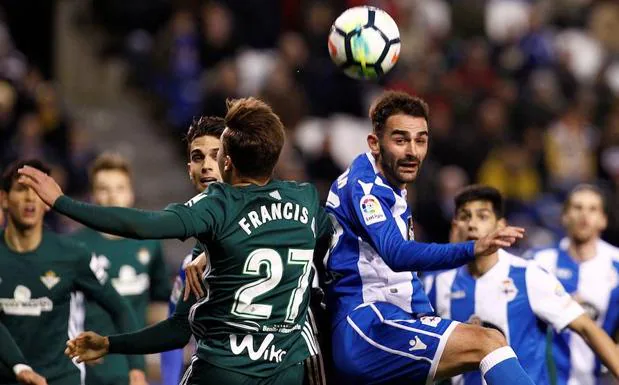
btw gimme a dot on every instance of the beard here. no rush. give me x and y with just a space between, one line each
390 167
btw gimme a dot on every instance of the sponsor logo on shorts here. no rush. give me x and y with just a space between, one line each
266 351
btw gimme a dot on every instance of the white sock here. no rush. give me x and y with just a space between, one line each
496 357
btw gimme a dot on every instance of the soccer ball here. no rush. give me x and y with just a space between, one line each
364 42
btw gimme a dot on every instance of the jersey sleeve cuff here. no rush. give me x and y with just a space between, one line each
571 312
20 368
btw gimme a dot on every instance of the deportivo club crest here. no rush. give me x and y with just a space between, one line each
50 279
144 256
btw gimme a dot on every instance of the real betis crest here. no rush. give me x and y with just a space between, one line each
50 279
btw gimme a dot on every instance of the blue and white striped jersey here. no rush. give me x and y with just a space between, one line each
595 285
373 256
516 297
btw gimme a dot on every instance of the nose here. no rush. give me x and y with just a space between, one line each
209 164
30 194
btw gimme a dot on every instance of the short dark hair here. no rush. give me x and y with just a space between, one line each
254 137
110 161
10 174
396 102
478 192
204 125
585 187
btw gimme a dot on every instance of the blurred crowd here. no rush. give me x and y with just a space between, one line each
523 94
34 122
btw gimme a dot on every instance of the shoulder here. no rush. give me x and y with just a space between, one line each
610 250
66 245
83 233
546 257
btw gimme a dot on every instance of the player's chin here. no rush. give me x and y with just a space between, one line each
407 176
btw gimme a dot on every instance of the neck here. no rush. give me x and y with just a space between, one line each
481 265
240 181
583 251
23 240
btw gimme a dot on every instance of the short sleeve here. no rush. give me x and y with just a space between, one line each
203 214
549 300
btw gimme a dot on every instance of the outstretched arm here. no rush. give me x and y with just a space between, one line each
385 233
126 222
598 341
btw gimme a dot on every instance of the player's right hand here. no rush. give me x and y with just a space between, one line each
30 377
44 185
503 237
87 346
193 277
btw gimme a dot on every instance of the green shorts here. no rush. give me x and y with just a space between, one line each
202 373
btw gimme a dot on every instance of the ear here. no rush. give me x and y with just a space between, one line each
501 223
603 222
189 172
228 165
373 144
4 201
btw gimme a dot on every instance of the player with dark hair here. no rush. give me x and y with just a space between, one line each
588 268
40 274
136 269
202 146
251 325
381 333
509 294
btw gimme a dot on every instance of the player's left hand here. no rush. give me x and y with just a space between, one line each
137 377
193 277
44 185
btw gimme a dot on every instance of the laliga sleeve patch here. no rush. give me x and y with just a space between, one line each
371 210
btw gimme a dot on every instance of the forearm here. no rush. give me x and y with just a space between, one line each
602 344
417 256
10 354
169 334
122 221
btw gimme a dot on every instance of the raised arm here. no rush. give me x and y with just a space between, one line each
126 222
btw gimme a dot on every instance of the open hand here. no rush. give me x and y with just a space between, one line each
44 185
193 276
504 237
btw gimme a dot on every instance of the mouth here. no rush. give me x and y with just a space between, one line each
29 211
472 238
207 180
408 166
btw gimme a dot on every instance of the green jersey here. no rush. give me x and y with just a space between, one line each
39 305
135 268
138 272
260 241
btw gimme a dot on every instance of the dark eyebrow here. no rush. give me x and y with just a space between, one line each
406 133
196 151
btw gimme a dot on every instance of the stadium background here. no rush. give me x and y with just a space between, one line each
523 94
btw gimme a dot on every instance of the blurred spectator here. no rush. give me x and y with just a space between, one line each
570 145
510 170
223 84
219 40
434 215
